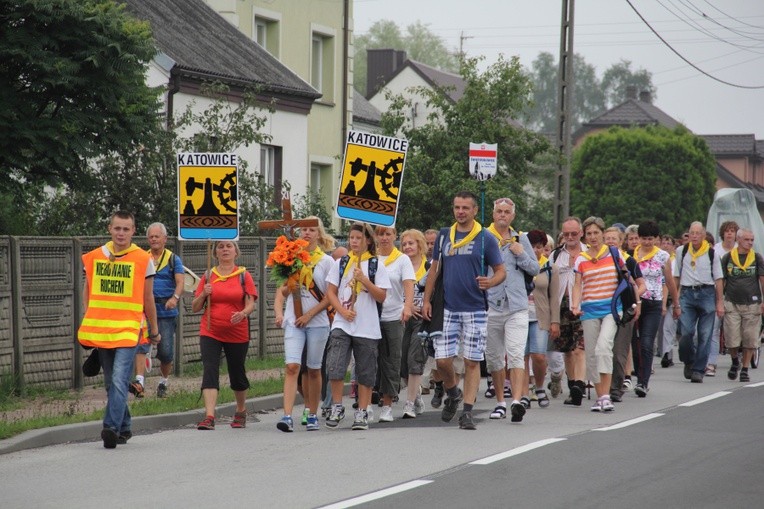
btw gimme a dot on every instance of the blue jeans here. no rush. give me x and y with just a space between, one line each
117 366
165 348
698 310
643 344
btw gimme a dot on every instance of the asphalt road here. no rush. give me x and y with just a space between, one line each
709 454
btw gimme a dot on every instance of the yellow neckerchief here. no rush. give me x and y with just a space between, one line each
602 251
354 259
421 271
695 254
735 257
647 256
113 256
466 240
394 255
672 256
222 278
543 260
164 259
502 240
624 255
306 272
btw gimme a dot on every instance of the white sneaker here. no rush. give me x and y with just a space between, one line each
370 413
419 405
386 414
408 410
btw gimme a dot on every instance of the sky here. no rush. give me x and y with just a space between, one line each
723 38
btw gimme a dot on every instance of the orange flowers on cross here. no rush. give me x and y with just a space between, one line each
287 259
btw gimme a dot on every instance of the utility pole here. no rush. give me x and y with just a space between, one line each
463 38
564 100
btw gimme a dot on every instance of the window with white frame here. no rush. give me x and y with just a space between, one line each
266 34
322 65
320 181
271 170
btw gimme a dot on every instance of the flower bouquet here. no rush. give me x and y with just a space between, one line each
286 262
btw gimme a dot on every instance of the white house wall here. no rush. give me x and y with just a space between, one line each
401 84
288 130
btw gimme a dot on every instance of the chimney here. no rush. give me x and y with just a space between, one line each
645 96
631 92
381 65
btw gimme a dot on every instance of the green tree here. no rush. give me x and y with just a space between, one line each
151 170
638 174
436 164
312 203
619 76
591 96
72 87
419 43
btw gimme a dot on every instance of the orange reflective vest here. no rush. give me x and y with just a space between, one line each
115 306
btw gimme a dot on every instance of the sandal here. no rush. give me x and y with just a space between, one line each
239 420
208 423
500 412
542 398
526 402
490 392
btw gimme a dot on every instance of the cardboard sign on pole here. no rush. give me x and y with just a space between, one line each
207 196
370 182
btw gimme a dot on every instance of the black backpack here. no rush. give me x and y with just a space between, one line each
529 284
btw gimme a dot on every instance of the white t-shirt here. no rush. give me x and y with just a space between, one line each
320 271
398 271
720 250
567 274
366 323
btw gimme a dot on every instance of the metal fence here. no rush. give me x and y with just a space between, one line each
41 281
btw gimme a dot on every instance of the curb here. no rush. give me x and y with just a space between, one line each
90 431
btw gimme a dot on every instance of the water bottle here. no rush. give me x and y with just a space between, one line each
628 314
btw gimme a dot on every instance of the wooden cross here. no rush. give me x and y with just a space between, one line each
287 223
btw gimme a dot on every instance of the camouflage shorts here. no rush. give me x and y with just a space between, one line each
571 331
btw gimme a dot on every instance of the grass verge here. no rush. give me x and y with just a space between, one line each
181 401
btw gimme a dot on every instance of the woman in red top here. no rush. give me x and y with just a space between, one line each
232 296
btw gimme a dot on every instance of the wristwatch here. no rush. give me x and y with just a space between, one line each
177 297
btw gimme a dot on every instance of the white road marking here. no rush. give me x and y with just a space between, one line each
516 451
377 495
705 398
630 422
758 384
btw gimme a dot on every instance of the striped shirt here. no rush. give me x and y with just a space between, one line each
599 280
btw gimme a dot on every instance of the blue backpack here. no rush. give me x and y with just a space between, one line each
623 292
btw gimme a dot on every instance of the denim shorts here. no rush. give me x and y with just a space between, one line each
537 339
295 339
165 348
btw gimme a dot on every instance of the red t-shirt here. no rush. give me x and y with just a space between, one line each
226 299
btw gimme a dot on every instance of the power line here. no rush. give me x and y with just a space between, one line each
669 46
706 17
730 17
717 69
